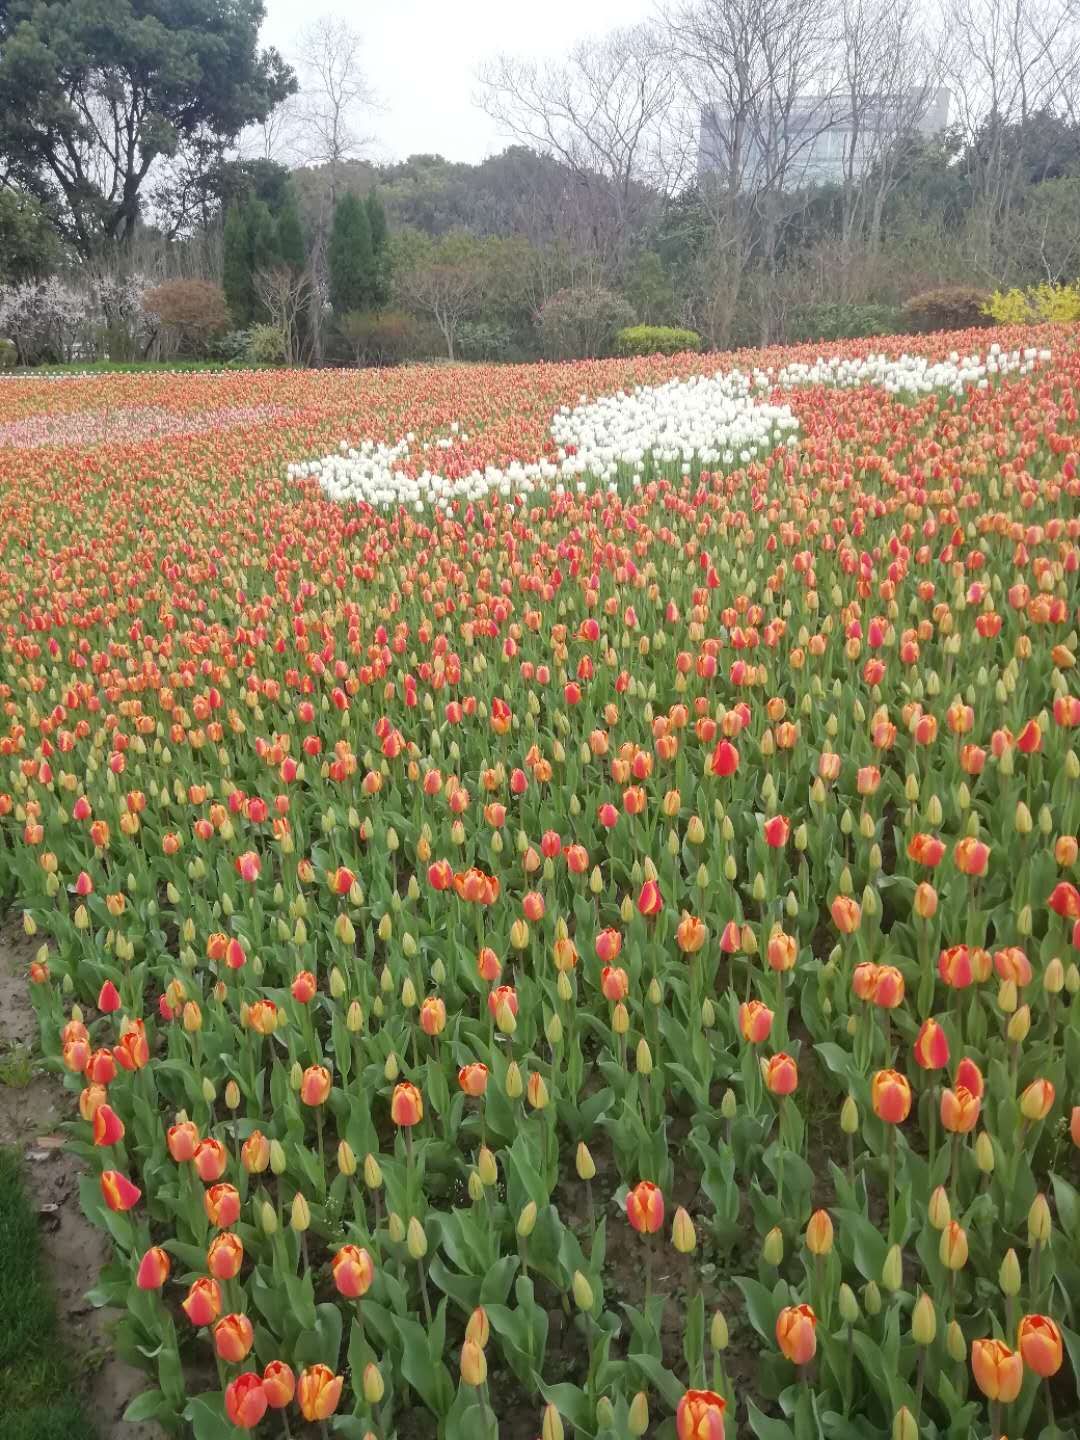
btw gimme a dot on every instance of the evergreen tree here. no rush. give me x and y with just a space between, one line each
349 256
380 250
263 249
236 271
289 234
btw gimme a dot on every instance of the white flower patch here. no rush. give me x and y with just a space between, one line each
714 422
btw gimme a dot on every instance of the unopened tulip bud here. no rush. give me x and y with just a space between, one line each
374 1386
354 1018
232 1095
955 1344
296 1076
337 984
416 1239
849 1116
552 1426
209 1093
268 1220
408 993
892 1272
526 1222
346 1158
514 1083
1019 1025
848 1305
654 993
984 1153
586 1167
1039 1223
1009 1277
372 1172
476 1187
620 1019
643 1058
683 1234
487 1167
300 1214
395 1228
1007 997
871 1298
1072 978
473 1364
772 1250
343 929
923 1321
391 1069
583 1292
718 1331
605 1413
939 1211
638 1419
905 1426
1054 977
729 1105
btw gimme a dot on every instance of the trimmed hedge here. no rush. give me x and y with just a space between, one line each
655 340
953 307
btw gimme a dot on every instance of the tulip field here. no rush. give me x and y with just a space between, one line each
557 887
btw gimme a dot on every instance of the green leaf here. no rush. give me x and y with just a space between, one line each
667 1384
761 1307
148 1406
206 1414
764 1428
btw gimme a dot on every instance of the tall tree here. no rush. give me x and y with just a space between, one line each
236 268
93 94
380 250
290 234
349 256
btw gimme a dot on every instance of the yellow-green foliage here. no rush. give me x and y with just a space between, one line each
1057 304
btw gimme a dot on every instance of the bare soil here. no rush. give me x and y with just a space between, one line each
32 1107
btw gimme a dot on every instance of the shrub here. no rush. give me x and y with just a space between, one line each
1058 304
9 354
230 347
194 310
378 337
843 322
484 340
265 345
954 307
577 324
656 340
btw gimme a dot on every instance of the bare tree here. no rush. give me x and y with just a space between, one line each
286 294
605 113
446 282
334 94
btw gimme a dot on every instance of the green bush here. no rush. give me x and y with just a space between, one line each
265 345
484 340
656 340
843 322
580 324
954 307
378 337
9 355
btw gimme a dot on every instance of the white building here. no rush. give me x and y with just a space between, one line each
818 141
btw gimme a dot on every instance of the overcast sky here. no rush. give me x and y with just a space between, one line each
422 57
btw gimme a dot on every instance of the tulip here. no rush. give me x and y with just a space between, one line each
202 1304
781 1074
1037 1100
108 1127
279 1383
406 1105
776 830
153 1269
890 1095
222 1204
225 1255
755 1022
846 914
318 1391
683 1235
931 1046
650 902
998 1371
234 1336
353 1271
953 1249
315 1086
245 1400
795 1333
473 1079
700 1416
118 1192
645 1208
959 1110
1040 1345
819 1233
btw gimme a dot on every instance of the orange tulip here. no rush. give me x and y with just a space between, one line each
353 1271
315 1085
846 914
1039 1342
971 856
959 1110
406 1105
998 1371
690 934
645 1207
890 1095
279 1382
795 1333
700 1416
154 1269
650 901
118 1192
318 1391
1037 1100
781 1074
234 1336
931 1046
225 1256
202 1305
819 1233
755 1021
473 1079
245 1400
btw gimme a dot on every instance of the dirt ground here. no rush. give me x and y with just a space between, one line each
32 1106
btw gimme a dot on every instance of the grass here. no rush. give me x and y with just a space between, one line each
16 1067
36 1380
123 367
